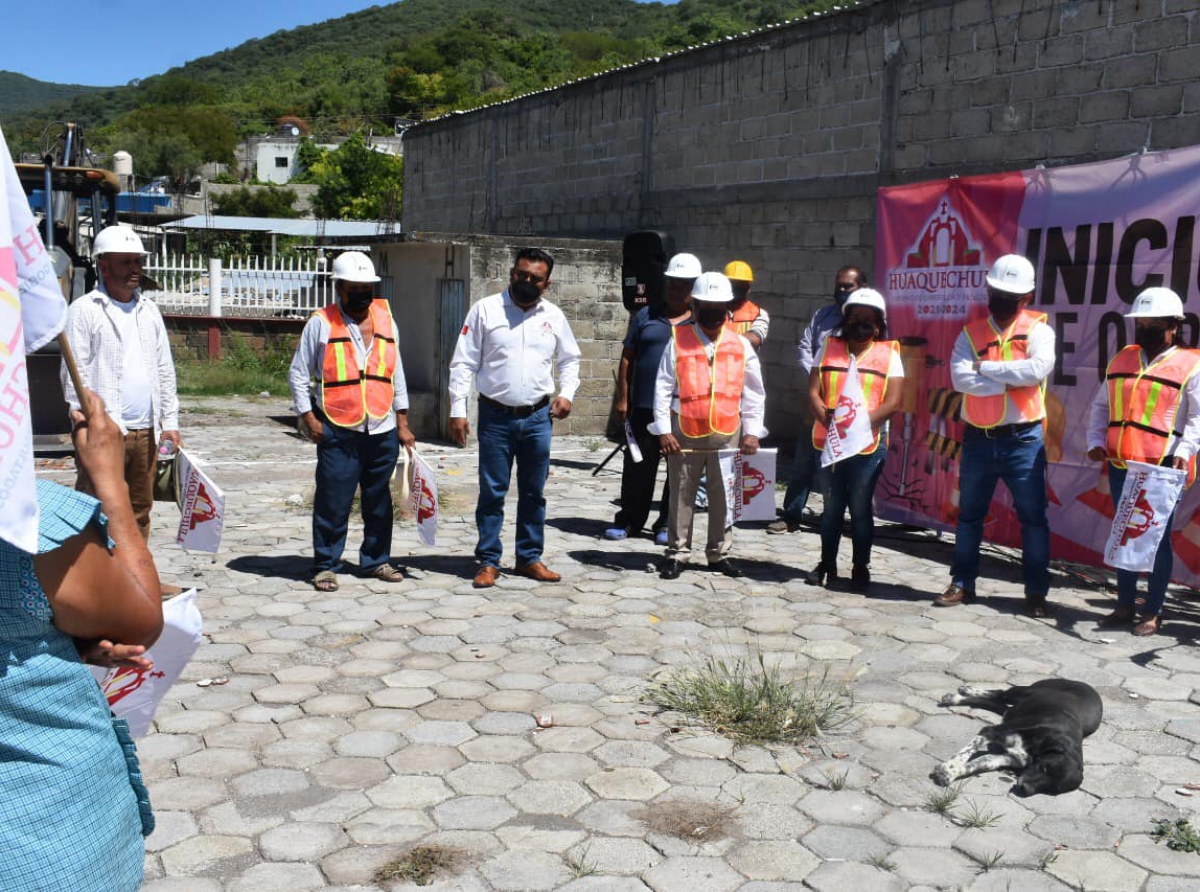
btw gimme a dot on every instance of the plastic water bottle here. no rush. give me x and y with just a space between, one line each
166 450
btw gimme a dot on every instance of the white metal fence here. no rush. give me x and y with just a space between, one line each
254 287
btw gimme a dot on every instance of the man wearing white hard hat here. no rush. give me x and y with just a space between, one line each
649 333
1147 410
708 394
121 347
1000 365
358 417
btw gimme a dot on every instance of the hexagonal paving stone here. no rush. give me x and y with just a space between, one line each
201 853
567 740
278 878
496 749
560 766
615 856
550 797
631 754
351 774
519 871
302 842
834 843
692 874
1158 859
217 763
939 868
368 744
1097 872
774 860
440 733
473 813
484 780
270 782
627 783
844 876
411 791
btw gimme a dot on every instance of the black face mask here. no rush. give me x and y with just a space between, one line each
740 292
711 315
1152 340
356 301
524 293
1003 307
859 331
840 296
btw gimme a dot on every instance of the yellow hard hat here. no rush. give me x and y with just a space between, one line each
740 270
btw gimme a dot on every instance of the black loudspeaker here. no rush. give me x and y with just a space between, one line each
644 260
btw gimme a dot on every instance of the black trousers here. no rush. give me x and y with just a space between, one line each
638 478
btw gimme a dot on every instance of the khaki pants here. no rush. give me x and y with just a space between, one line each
684 472
140 461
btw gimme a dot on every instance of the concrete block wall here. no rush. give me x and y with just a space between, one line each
770 147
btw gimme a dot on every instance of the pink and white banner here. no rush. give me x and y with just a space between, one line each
32 311
1097 234
202 520
424 499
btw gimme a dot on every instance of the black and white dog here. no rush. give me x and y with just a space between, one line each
1040 734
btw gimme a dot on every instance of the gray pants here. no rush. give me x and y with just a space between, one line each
684 472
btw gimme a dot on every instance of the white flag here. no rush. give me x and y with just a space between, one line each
850 432
749 485
32 311
425 499
203 518
134 694
1150 495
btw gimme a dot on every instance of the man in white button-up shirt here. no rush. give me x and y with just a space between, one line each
121 347
509 345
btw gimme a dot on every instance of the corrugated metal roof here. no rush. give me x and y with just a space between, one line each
286 226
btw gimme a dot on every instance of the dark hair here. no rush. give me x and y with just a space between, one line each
535 255
862 277
880 323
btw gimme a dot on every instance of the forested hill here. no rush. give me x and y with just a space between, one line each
20 94
360 72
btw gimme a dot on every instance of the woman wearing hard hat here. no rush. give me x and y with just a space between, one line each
852 479
1136 416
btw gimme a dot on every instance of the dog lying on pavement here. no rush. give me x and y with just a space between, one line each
1040 734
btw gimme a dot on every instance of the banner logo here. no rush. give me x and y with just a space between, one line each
943 270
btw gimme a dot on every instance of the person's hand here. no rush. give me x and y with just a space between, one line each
669 445
560 408
621 409
1178 463
99 443
749 444
108 655
460 429
407 438
311 427
1097 453
173 437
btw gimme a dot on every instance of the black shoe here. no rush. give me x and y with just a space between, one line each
821 575
1037 608
727 567
860 579
671 570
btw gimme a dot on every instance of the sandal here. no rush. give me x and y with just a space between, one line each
388 573
325 581
1147 625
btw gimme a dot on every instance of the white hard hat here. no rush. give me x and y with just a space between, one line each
1156 303
1012 273
713 288
354 266
117 240
866 297
684 266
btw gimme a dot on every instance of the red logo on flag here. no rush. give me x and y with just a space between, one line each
1141 519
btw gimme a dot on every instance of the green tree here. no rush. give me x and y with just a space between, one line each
257 201
173 141
356 183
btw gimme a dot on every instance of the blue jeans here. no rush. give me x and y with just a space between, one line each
1019 460
504 437
806 465
347 461
851 483
1164 560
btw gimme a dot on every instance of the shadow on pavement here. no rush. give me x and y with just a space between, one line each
285 566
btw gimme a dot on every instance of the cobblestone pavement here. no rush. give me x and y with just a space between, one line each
358 724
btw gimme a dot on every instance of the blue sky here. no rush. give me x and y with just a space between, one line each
136 38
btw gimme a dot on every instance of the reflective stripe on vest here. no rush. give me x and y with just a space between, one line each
873 367
1143 402
744 317
990 345
710 393
350 394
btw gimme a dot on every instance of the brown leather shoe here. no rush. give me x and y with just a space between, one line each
952 596
486 577
537 570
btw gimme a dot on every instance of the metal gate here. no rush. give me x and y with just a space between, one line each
452 311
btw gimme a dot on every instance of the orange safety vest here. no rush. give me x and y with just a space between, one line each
988 344
744 317
349 394
710 394
873 367
1143 402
